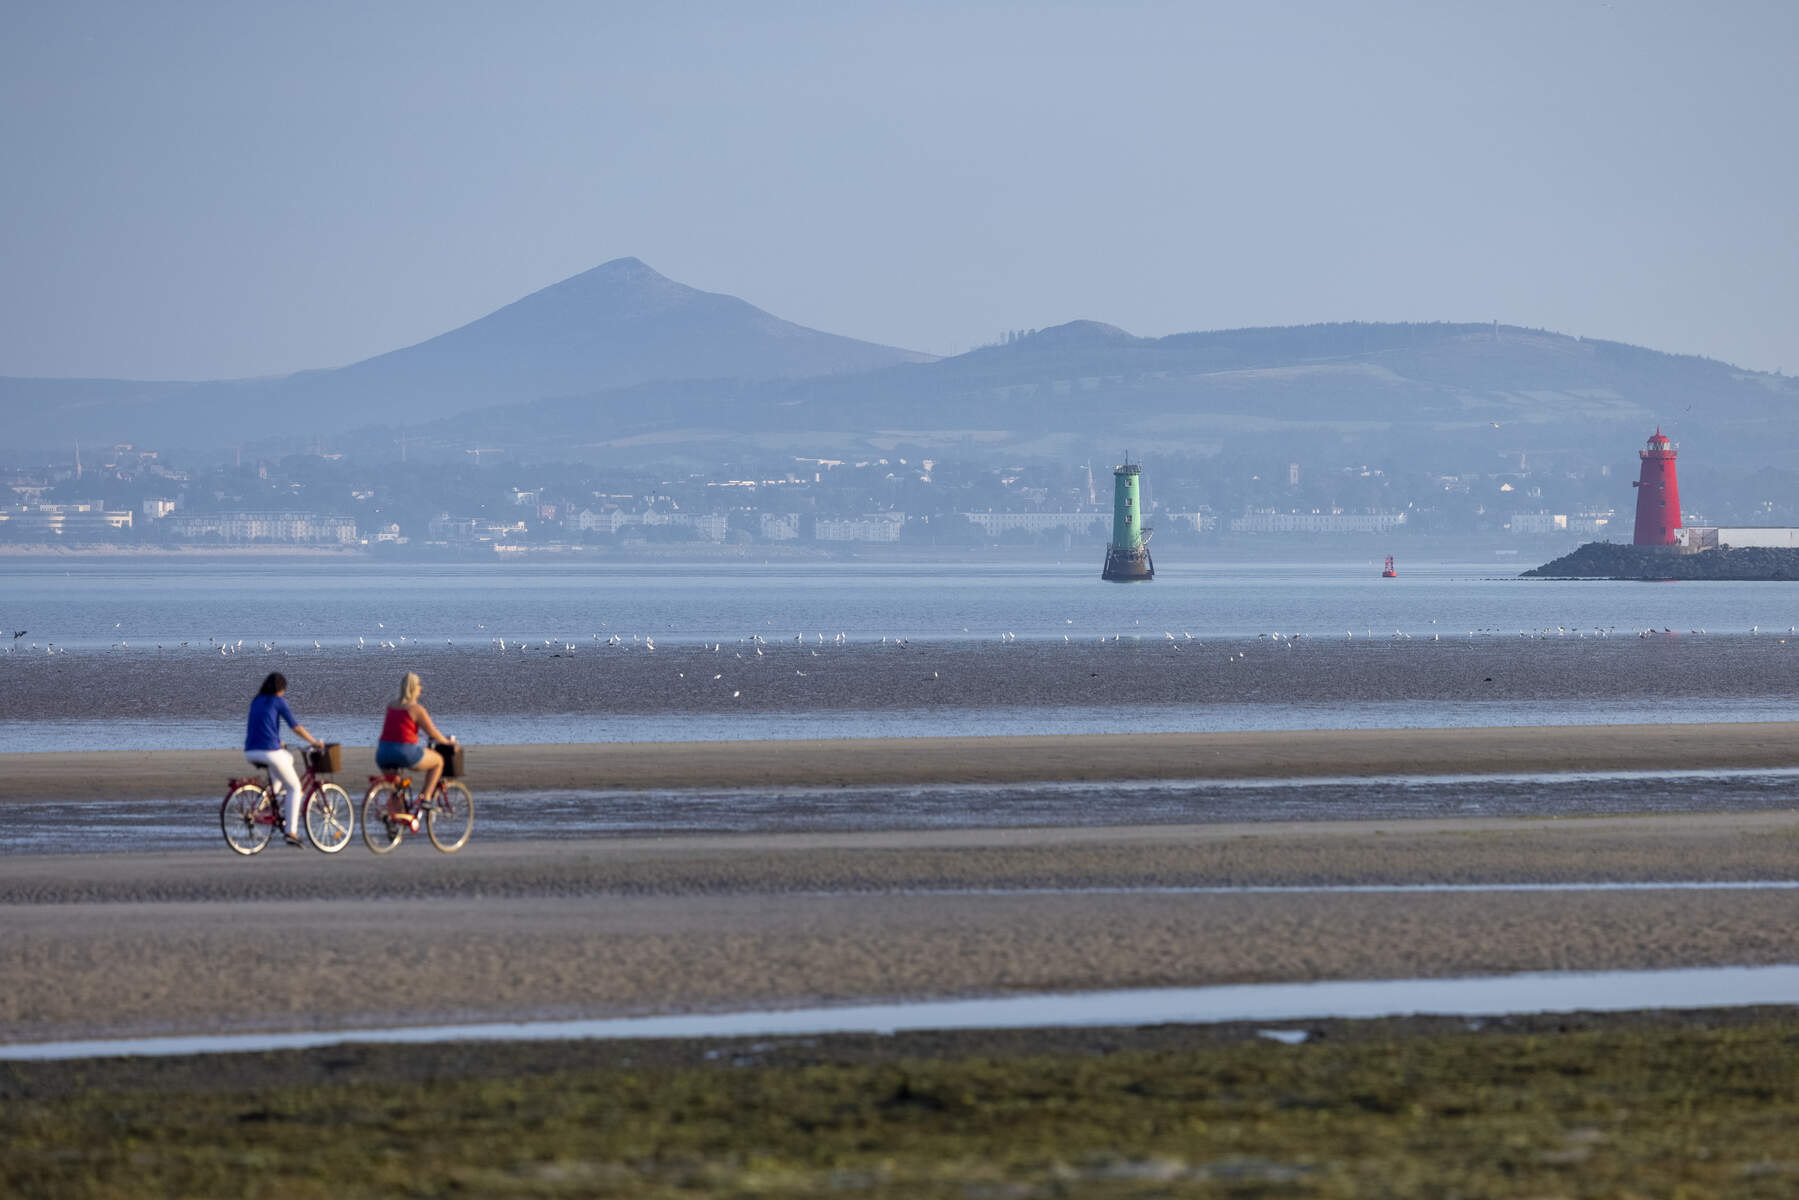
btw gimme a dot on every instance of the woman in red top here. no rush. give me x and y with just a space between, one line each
399 748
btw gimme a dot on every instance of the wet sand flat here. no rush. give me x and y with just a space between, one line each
861 762
185 942
689 683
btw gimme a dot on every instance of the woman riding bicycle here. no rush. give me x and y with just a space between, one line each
262 744
399 748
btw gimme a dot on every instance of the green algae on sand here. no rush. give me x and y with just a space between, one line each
1695 1104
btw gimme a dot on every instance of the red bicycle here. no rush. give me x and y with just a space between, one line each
390 812
250 815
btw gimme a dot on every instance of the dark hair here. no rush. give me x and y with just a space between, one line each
275 683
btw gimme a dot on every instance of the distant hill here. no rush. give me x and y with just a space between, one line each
1429 392
621 362
617 325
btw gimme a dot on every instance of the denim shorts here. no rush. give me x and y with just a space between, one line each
398 754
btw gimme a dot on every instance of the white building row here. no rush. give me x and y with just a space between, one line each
874 527
1334 521
1199 521
1543 522
1096 523
63 519
1038 522
779 527
710 526
1707 537
300 527
472 529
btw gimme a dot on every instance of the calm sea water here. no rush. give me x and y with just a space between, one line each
98 604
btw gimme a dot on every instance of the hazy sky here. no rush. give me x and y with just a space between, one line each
206 190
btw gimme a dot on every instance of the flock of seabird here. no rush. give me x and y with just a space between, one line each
561 648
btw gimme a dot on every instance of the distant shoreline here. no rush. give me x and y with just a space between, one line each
112 551
1501 555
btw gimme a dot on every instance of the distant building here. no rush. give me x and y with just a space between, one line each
1200 520
296 528
605 520
993 523
1334 521
873 527
1528 524
1591 522
157 509
710 527
1709 537
780 527
454 529
64 520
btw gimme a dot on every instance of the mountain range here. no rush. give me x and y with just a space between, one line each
617 325
621 361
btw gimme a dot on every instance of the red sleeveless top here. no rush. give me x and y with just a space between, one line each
400 727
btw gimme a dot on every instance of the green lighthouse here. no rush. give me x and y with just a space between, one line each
1127 555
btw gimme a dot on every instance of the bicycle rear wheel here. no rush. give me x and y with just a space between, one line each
247 819
330 818
452 818
381 829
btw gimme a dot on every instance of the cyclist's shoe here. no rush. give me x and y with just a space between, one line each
293 839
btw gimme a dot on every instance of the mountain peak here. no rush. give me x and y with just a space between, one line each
1083 333
628 284
626 268
615 325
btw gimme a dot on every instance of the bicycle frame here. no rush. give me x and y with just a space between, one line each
390 810
402 785
309 787
250 812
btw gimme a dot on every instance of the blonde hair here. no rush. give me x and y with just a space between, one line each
409 690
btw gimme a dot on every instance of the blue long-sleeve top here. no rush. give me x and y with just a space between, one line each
266 715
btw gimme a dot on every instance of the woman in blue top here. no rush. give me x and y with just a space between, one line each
262 744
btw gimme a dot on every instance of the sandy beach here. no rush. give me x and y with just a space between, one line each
293 940
158 942
184 940
858 762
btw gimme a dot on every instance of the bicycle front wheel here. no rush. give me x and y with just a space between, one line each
247 818
452 818
381 828
330 818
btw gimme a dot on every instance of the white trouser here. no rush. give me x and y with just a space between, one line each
281 764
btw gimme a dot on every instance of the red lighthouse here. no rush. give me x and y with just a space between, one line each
1658 494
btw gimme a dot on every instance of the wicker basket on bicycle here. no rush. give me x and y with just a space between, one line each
452 756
